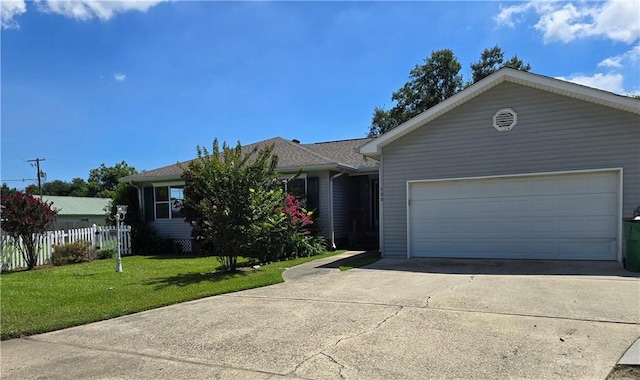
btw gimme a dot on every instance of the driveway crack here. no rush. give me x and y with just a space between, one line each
331 358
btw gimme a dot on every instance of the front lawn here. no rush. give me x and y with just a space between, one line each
49 299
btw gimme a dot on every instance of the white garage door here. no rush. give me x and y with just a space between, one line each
559 216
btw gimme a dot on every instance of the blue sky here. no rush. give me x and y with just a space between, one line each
91 82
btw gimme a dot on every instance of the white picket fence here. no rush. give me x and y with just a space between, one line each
103 237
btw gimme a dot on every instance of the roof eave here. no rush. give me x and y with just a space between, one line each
144 179
332 166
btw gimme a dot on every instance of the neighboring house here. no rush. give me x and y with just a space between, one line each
340 183
518 166
77 212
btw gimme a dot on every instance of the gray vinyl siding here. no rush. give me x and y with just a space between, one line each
178 229
554 133
345 198
323 202
172 228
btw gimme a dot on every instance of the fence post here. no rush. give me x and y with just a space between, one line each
94 237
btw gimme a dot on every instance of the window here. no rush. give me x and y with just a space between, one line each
305 189
168 202
297 187
177 198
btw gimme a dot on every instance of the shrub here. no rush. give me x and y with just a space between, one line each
217 198
70 253
281 228
103 254
26 217
146 241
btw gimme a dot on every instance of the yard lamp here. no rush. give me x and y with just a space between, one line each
121 211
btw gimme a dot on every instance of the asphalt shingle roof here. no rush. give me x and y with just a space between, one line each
291 155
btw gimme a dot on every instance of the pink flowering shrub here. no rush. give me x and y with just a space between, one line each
236 207
298 217
281 227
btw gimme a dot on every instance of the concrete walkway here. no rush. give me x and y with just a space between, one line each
392 320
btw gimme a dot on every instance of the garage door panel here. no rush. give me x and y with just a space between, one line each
568 250
604 226
569 216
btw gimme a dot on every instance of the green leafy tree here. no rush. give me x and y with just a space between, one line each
492 60
429 84
125 194
26 217
31 189
78 187
434 81
6 190
56 187
217 197
104 179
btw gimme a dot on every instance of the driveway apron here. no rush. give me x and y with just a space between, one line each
395 319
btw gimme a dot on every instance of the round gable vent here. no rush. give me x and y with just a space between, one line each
505 119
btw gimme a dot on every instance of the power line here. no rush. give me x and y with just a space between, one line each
18 180
37 161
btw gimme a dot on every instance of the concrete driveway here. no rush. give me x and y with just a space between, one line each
396 319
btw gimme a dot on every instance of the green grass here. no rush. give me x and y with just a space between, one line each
360 260
53 298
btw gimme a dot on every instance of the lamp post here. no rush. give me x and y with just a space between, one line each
121 211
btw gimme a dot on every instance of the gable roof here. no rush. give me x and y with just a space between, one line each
78 205
556 86
292 156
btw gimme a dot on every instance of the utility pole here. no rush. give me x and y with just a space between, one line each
37 161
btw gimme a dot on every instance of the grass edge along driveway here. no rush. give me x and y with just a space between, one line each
49 299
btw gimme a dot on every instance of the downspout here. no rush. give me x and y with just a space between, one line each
333 232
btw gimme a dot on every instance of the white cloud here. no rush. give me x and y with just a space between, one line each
8 10
630 57
88 9
616 20
77 9
119 77
611 62
508 14
608 82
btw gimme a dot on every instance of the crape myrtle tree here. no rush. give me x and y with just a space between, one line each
26 217
218 197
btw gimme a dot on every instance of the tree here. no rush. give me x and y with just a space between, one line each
7 190
78 187
217 197
125 194
492 60
429 84
56 187
436 80
104 179
31 189
26 217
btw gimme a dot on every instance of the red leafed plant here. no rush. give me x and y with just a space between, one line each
26 217
298 217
